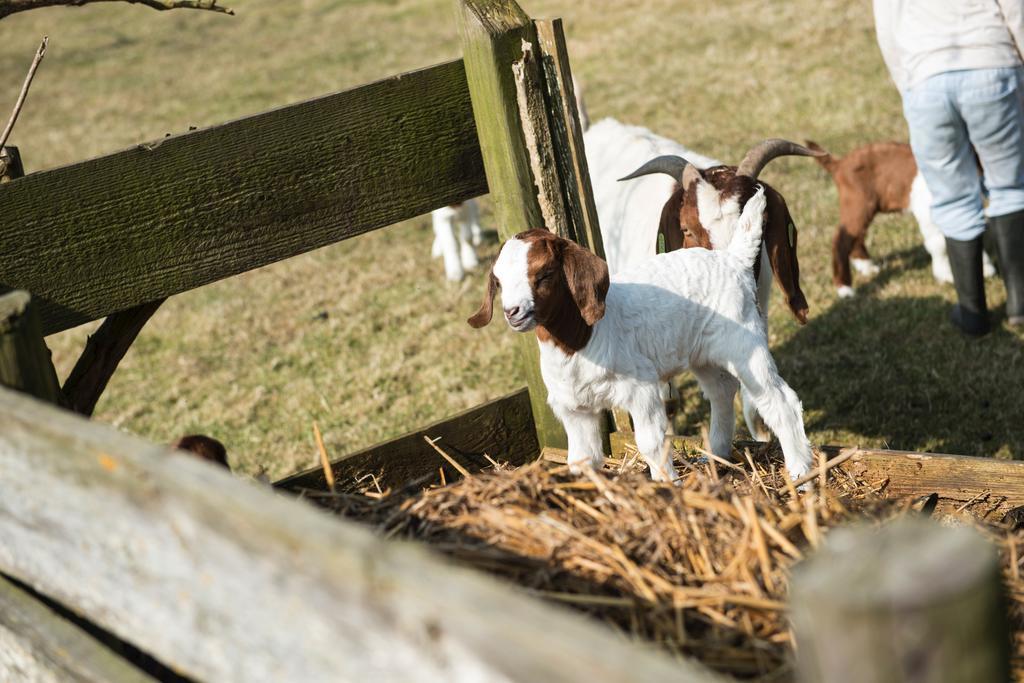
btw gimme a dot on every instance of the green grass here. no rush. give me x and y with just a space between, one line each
366 337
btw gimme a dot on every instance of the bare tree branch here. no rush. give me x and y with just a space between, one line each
8 7
21 98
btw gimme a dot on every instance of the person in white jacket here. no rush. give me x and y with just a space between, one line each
959 70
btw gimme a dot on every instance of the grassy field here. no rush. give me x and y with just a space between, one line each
366 338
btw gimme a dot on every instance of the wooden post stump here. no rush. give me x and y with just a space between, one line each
912 602
532 153
11 167
25 363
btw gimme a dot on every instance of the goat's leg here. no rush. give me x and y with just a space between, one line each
755 423
934 240
842 278
583 430
779 405
471 215
855 214
720 389
649 424
860 259
445 240
467 254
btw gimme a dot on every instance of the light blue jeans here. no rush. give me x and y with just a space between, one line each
947 114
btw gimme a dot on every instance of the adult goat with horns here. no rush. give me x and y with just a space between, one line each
703 211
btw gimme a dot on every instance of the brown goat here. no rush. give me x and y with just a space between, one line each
682 226
880 177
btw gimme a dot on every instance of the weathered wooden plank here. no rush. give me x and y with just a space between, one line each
912 601
36 644
998 485
25 363
503 429
957 479
225 581
514 119
567 134
493 33
161 218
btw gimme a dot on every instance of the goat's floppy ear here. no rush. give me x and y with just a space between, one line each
483 316
670 229
587 277
780 240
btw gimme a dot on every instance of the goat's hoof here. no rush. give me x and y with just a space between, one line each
865 266
666 474
797 471
944 274
845 292
578 467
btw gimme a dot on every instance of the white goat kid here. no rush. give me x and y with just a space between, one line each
456 232
610 342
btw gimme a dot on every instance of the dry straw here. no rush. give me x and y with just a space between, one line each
700 569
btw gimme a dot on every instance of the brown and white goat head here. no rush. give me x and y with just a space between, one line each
548 283
702 211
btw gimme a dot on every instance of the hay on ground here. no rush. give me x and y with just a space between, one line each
700 569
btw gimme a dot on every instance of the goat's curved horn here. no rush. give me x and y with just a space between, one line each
669 164
761 154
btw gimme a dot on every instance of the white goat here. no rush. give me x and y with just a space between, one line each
629 213
631 216
456 232
611 342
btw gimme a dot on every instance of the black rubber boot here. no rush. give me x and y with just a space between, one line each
970 315
1008 234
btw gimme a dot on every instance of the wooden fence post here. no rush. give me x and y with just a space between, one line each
10 164
103 351
532 169
25 363
913 601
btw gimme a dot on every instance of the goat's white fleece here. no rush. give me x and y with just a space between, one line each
689 309
629 212
456 232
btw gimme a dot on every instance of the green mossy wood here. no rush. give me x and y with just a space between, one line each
25 363
509 90
503 429
108 234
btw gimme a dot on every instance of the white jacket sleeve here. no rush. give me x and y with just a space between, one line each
886 12
1013 15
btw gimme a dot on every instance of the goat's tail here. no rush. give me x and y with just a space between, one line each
827 161
746 238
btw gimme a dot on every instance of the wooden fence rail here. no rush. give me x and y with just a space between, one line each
102 236
223 580
501 430
995 486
